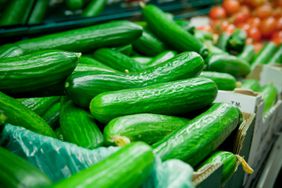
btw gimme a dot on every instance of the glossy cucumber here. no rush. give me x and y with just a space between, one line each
148 44
185 94
162 57
236 42
74 4
222 41
20 115
90 64
52 115
142 60
148 128
39 105
36 71
128 167
16 172
79 127
38 12
127 49
251 85
94 8
117 60
82 87
265 54
269 94
168 31
277 58
228 64
224 81
115 33
248 53
16 12
202 135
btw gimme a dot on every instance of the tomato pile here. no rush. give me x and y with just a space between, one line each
260 19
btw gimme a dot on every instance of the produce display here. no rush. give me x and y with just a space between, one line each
147 88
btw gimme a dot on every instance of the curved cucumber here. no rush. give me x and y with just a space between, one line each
148 128
15 172
157 98
168 31
265 54
269 94
162 57
78 127
52 115
94 8
202 135
82 87
20 115
248 53
90 64
251 85
115 33
128 167
223 81
38 12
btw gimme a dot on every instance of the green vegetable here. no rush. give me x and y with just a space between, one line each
79 127
20 115
94 8
74 4
222 41
15 172
59 133
269 94
127 49
142 60
148 128
202 135
265 55
203 36
236 42
90 64
162 57
128 167
277 58
169 98
186 26
251 85
248 53
38 12
53 114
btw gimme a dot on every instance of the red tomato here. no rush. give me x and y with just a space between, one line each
277 37
267 26
255 22
258 46
217 12
240 17
263 11
279 24
231 6
254 33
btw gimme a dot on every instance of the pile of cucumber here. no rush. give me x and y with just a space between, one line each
147 88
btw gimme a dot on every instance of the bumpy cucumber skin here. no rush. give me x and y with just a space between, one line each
168 31
128 167
200 136
20 115
228 64
16 172
52 115
223 81
265 55
248 53
36 71
78 127
89 64
269 94
38 12
82 87
169 98
251 85
160 58
94 8
148 128
86 39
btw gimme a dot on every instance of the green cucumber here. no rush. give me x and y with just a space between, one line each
117 60
162 57
36 71
59 133
277 58
269 94
248 53
127 49
202 135
20 115
142 60
228 64
236 42
3 119
79 127
16 172
265 54
148 128
169 98
39 105
251 85
203 36
223 81
83 86
52 115
168 31
38 12
128 167
16 12
148 44
115 33
94 8
90 64
186 26
222 41
74 4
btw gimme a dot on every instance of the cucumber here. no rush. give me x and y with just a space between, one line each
59 133
203 36
148 128
16 172
20 115
90 64
222 41
148 44
171 33
186 26
74 4
127 49
3 119
277 58
115 33
36 71
16 12
202 135
79 127
94 8
10 50
223 81
142 60
265 54
236 42
162 57
248 53
52 115
38 12
269 94
128 167
39 105
117 60
228 64
157 98
82 87
251 85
